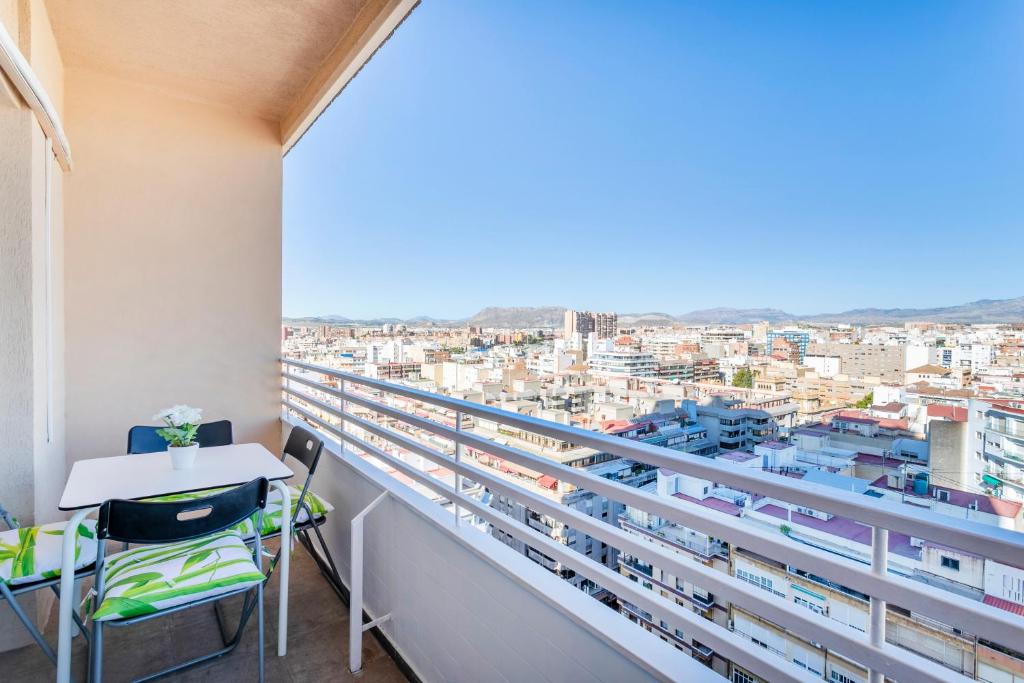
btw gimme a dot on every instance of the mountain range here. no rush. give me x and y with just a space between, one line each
982 311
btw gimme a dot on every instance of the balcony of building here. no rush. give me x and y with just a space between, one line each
134 133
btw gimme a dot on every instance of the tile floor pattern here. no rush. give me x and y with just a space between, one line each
317 643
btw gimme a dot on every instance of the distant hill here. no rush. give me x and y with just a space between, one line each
734 315
518 316
983 311
646 319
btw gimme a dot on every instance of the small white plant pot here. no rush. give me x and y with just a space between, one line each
183 457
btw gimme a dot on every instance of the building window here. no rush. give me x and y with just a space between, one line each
808 604
742 677
842 678
950 563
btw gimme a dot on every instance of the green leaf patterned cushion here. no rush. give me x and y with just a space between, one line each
150 578
33 553
272 513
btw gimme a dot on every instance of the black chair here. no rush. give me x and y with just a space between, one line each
184 546
306 447
144 439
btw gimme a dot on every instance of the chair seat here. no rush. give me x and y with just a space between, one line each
33 553
272 513
152 578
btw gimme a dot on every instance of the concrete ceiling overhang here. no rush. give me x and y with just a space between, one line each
282 61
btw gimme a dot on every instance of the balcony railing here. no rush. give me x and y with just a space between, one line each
330 409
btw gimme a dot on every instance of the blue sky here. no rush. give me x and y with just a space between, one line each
667 156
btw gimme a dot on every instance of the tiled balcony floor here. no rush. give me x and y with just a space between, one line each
317 642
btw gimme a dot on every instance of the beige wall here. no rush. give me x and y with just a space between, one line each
32 456
173 264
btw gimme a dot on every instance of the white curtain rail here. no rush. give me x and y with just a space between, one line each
17 69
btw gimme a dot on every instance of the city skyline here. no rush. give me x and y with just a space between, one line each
984 311
799 158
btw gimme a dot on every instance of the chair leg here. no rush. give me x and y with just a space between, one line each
327 553
74 615
96 653
29 626
259 602
248 605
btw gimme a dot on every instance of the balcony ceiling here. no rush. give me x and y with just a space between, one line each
254 57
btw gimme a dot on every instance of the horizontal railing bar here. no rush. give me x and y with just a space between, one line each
901 664
999 544
972 615
721 640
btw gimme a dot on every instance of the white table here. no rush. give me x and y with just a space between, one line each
129 477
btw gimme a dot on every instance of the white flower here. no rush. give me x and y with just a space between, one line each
180 415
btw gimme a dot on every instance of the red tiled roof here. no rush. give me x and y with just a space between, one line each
713 504
548 482
860 417
1007 407
619 426
872 459
844 527
855 419
985 503
952 413
737 456
1014 607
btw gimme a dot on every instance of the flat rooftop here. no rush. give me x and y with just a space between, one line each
843 527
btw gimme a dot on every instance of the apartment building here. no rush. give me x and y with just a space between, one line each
885 361
393 371
619 363
699 547
603 325
996 445
734 427
627 472
937 565
796 341
677 430
722 335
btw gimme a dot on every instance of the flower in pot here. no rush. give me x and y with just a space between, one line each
180 433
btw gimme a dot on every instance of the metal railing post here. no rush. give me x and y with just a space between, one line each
458 461
356 627
287 388
342 405
879 566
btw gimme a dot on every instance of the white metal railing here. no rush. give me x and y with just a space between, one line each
356 627
328 409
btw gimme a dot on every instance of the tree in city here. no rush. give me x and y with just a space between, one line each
867 401
743 378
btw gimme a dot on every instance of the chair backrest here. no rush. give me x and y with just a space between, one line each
137 522
304 446
144 439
